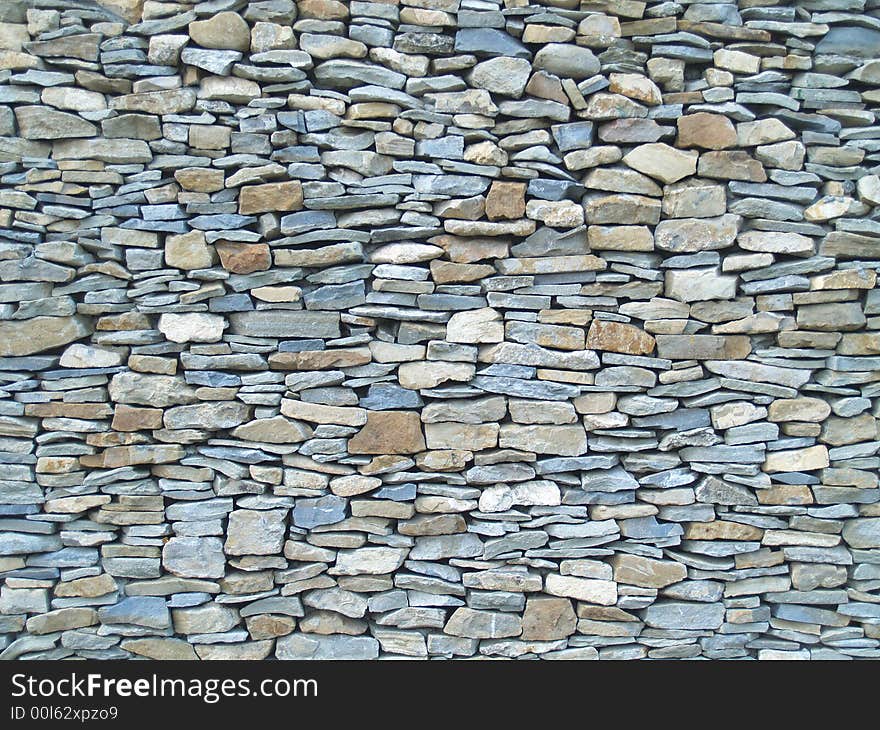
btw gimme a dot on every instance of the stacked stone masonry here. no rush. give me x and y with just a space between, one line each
439 329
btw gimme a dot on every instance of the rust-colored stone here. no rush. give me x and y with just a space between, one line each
244 258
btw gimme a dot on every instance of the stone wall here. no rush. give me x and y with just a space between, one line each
439 328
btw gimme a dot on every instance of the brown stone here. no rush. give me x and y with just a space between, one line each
548 619
284 196
619 337
244 258
705 130
506 200
389 432
128 418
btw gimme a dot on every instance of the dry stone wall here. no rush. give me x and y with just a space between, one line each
439 328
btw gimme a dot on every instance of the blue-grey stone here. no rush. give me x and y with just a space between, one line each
390 396
149 611
489 42
328 510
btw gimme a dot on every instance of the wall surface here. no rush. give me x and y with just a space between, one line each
439 328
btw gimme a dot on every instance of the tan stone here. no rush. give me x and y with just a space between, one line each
619 337
354 484
588 590
319 413
269 626
662 162
129 418
199 180
432 525
506 201
472 437
341 357
283 196
223 30
847 279
209 136
75 505
762 131
705 130
561 440
475 326
722 530
787 494
737 61
389 432
64 410
807 459
89 587
620 238
798 409
277 293
274 430
30 336
446 272
703 347
323 9
188 251
556 213
62 619
161 648
548 619
430 374
838 431
731 165
131 10
635 86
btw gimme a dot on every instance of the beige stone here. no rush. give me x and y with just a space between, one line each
662 162
588 590
807 459
223 30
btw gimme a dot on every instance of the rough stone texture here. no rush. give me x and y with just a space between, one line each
437 329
